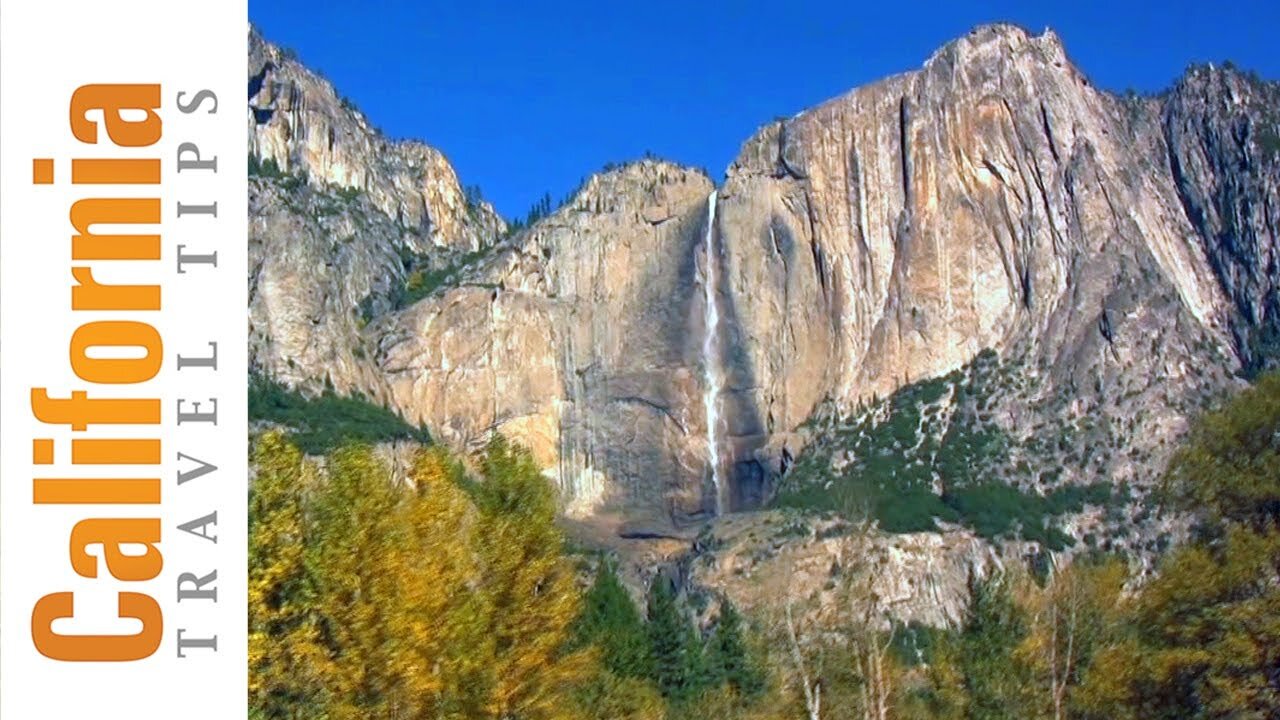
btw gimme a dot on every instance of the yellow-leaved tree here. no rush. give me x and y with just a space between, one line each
440 619
1205 641
350 557
288 668
531 591
438 597
1079 613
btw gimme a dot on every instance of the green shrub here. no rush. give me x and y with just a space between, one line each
914 644
423 282
267 168
1269 140
995 510
270 170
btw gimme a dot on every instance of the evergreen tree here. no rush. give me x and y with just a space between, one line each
611 622
674 644
993 629
728 662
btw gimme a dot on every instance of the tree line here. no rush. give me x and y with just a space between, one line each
452 595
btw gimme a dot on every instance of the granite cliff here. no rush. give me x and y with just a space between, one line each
340 218
989 242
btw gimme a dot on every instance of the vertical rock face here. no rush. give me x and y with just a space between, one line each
339 217
994 199
1223 134
316 262
1121 252
580 339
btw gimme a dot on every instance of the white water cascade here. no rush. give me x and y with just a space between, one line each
712 372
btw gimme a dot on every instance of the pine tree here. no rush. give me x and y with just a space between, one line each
674 645
728 662
993 629
611 622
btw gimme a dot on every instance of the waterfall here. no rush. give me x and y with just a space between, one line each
712 372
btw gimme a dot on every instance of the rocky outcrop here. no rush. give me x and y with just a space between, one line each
318 263
758 559
339 218
298 121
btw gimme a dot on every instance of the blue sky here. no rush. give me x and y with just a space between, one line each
528 97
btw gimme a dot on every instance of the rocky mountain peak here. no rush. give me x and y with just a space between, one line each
300 125
647 186
1001 44
1227 84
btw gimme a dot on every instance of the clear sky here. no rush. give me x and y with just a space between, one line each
527 97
